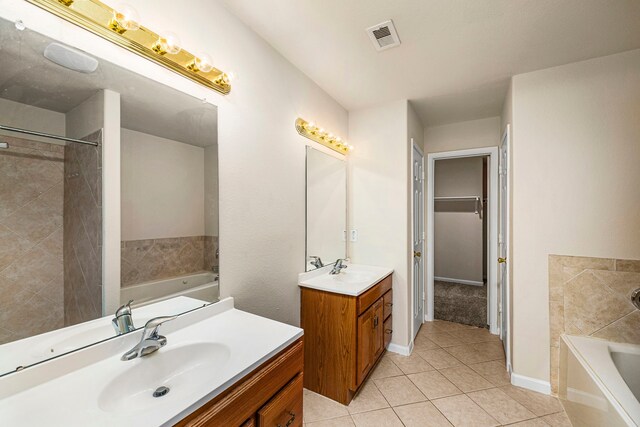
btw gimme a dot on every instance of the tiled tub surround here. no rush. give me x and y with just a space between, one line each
83 231
455 376
31 238
591 297
154 259
460 303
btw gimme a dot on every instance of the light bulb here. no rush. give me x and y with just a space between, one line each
125 18
167 43
203 63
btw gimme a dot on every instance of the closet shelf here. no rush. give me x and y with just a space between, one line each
465 204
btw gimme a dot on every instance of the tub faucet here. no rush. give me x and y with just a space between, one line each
151 340
635 298
123 322
338 267
316 261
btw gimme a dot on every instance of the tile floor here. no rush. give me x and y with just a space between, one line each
454 377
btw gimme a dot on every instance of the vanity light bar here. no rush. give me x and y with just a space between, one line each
319 135
122 28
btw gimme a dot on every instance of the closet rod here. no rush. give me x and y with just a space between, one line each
45 135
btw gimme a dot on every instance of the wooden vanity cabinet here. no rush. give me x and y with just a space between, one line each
345 336
269 396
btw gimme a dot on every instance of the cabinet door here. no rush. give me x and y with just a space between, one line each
365 357
370 339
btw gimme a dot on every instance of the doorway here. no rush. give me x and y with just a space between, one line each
477 211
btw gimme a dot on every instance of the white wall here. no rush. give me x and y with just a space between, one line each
262 215
162 187
576 153
462 135
379 202
458 240
25 116
87 117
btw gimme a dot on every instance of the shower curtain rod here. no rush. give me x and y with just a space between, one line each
46 135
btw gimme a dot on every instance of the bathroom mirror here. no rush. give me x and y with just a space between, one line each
326 190
67 139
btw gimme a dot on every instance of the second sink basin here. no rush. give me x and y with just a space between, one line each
180 369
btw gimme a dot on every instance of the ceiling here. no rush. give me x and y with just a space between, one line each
456 56
26 76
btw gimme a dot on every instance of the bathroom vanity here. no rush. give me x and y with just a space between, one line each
220 367
347 324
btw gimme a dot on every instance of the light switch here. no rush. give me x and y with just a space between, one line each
354 235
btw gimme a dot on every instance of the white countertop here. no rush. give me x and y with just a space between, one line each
353 281
77 389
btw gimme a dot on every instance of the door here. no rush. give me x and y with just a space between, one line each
370 339
418 239
503 243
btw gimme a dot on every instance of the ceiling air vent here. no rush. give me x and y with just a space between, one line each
384 35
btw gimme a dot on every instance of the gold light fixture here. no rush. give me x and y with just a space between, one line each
122 27
319 135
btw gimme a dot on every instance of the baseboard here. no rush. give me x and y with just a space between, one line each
529 383
404 350
461 281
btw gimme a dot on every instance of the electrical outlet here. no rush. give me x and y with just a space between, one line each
354 235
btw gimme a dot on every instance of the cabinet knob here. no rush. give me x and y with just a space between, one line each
389 304
291 420
388 331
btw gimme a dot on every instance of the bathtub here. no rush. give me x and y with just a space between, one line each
599 382
202 286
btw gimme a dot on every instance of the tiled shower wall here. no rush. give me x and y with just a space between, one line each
83 231
155 259
31 238
592 297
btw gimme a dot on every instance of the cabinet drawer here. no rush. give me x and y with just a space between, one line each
372 295
388 303
285 409
388 332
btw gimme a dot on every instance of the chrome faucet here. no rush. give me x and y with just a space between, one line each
316 261
338 267
123 322
151 340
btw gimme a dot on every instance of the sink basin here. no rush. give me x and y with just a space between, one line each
352 277
182 369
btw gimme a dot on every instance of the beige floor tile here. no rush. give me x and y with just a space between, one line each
434 385
422 342
385 368
368 398
318 407
461 411
494 371
445 339
422 414
447 326
468 354
380 418
466 379
559 419
410 364
495 350
538 403
500 406
399 391
536 422
439 358
475 335
335 422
